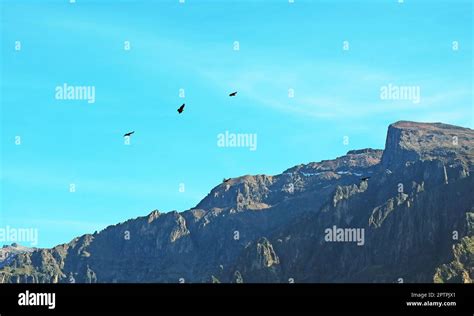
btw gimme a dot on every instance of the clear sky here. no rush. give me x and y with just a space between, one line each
282 46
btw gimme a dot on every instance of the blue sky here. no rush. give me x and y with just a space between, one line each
191 46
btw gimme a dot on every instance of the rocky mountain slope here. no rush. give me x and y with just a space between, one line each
411 221
9 252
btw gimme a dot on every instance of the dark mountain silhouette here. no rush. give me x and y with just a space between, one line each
416 216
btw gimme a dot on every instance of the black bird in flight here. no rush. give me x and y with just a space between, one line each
233 94
128 134
181 109
225 180
364 178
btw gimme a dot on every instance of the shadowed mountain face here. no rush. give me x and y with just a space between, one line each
412 220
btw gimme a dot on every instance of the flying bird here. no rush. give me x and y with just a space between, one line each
225 180
233 94
181 109
364 178
128 134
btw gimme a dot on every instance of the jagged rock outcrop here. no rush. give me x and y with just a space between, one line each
461 268
398 224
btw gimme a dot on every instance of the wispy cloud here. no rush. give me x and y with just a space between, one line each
355 95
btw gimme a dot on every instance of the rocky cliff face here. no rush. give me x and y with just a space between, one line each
411 221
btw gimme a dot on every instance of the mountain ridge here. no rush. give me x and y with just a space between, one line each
261 228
